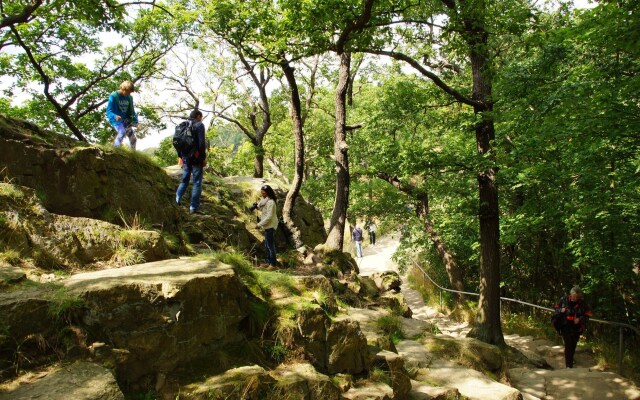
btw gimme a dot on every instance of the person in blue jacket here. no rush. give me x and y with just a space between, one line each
194 165
122 115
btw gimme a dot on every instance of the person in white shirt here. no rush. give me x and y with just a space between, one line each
268 222
372 233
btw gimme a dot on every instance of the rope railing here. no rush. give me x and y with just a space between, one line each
622 326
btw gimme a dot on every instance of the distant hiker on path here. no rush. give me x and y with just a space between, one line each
372 233
122 115
356 235
193 162
268 222
571 317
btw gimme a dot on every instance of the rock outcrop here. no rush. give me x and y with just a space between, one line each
63 242
80 380
162 315
305 215
87 181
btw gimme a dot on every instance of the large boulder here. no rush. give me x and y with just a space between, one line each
61 241
248 382
346 348
388 280
81 380
32 322
302 381
78 180
306 217
394 365
163 314
468 351
332 345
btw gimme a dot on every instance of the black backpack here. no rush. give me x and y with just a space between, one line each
184 140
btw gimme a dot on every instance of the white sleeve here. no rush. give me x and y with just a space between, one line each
267 213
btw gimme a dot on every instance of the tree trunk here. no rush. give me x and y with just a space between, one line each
275 169
296 119
448 260
335 238
422 212
258 162
486 327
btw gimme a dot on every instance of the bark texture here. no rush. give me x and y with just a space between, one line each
335 239
296 120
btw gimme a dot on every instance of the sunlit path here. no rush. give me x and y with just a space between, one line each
378 258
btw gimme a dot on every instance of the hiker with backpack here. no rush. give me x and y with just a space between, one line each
190 143
570 320
122 115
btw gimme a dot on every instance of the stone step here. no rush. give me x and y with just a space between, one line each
470 383
572 383
424 391
369 391
415 355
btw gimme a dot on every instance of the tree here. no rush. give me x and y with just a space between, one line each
297 122
337 223
466 23
571 160
257 112
53 38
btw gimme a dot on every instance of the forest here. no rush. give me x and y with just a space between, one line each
502 137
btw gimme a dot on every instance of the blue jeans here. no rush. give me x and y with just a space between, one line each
196 189
125 129
359 249
270 245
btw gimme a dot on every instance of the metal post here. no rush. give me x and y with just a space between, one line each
441 301
620 350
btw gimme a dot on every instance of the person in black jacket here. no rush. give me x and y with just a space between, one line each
194 165
572 315
356 235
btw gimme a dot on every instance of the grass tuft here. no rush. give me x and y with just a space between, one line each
124 256
391 325
9 190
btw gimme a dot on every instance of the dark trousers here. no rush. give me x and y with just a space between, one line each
570 338
270 245
372 237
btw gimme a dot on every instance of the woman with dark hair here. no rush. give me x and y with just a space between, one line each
572 315
268 222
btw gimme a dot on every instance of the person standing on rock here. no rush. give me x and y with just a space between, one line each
268 222
572 314
122 115
194 165
356 235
